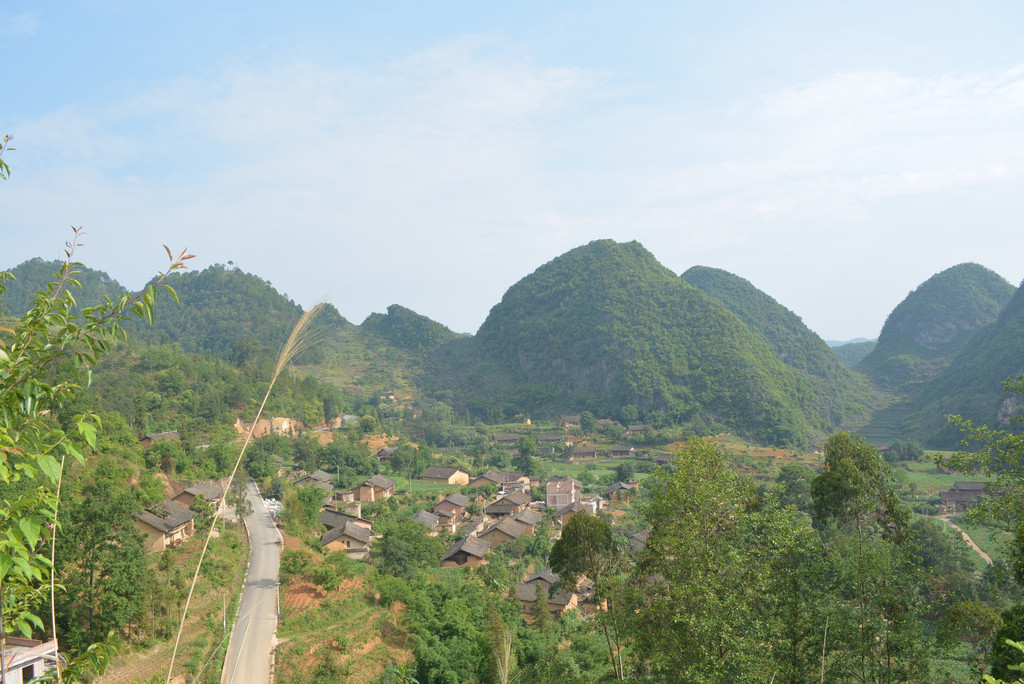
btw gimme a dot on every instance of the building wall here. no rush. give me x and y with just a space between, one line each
353 549
463 560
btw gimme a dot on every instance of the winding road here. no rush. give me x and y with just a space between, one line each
250 650
967 538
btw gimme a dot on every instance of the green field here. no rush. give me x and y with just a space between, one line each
929 479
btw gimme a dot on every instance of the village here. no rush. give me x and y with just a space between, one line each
478 512
473 513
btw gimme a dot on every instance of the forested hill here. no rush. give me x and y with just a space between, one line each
407 329
930 326
842 393
228 313
971 386
851 353
33 275
606 326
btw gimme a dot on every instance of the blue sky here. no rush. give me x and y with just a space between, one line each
432 154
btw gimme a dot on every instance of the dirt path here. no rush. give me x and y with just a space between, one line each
967 538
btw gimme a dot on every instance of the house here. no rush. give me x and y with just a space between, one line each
563 514
320 478
550 438
530 518
352 538
506 439
472 527
962 496
583 453
622 451
148 440
25 659
558 601
377 488
510 504
570 421
333 519
664 459
638 541
505 531
636 430
562 490
444 475
212 491
166 524
428 520
469 551
385 454
453 505
501 480
621 491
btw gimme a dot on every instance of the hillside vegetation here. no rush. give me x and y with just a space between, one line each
971 385
851 353
930 326
32 276
407 329
842 393
606 326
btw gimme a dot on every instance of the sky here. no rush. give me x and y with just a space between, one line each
432 154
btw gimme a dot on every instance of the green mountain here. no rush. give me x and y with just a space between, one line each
852 353
605 326
230 314
971 386
930 326
407 329
32 276
841 393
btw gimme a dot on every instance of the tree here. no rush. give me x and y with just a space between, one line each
703 596
204 511
795 486
541 614
526 461
975 624
587 422
236 497
998 454
406 549
867 527
854 486
625 471
52 338
588 548
101 560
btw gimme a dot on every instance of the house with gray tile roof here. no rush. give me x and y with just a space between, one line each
165 524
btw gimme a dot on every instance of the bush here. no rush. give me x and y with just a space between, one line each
294 563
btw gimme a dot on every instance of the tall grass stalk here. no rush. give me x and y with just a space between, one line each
301 338
53 568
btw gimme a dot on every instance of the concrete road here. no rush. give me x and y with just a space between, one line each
252 637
